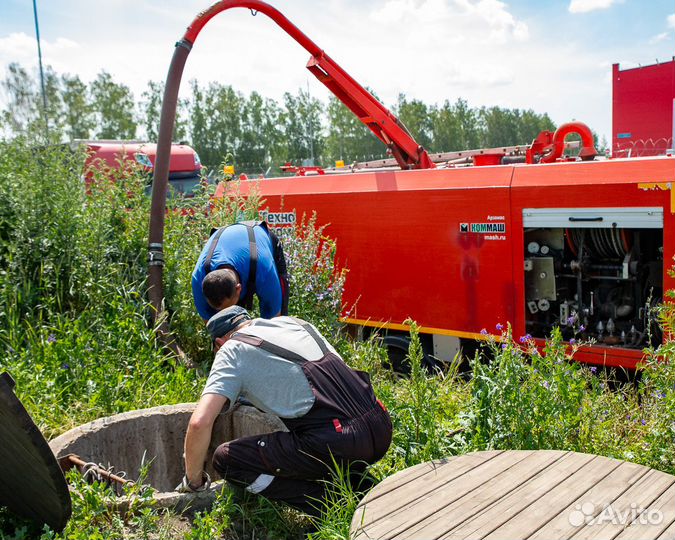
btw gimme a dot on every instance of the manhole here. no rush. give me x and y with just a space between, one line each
125 441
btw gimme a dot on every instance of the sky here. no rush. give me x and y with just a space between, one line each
552 56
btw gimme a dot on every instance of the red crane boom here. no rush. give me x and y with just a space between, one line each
382 122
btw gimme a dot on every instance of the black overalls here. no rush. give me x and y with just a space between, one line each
346 425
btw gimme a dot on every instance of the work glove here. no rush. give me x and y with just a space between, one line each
186 487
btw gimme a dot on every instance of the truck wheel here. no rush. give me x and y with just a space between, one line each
397 353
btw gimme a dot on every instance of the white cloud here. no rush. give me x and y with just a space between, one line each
671 20
659 38
467 20
584 6
434 50
21 48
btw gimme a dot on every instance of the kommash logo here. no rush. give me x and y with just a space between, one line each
494 228
278 219
488 228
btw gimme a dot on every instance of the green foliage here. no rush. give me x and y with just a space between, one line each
113 105
526 400
261 133
424 409
216 522
75 334
347 138
414 114
316 282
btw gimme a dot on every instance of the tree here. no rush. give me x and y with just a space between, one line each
500 127
302 127
260 146
150 109
446 130
113 107
348 139
415 117
78 118
215 114
22 99
531 124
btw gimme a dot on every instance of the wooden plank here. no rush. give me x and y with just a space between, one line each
404 477
450 514
505 508
423 507
563 490
369 512
657 489
656 519
604 492
669 533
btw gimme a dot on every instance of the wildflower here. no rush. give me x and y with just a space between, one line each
644 422
504 346
484 332
525 338
499 326
582 328
573 341
65 365
594 369
546 384
51 338
571 320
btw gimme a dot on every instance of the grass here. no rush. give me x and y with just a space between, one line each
75 334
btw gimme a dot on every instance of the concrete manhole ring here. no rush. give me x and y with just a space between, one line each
157 434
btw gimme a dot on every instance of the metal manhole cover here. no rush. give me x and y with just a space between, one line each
31 482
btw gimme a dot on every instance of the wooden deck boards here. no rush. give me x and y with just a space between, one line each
534 495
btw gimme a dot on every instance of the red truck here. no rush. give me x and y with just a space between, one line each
185 168
467 242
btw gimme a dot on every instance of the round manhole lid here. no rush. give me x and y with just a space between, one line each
32 484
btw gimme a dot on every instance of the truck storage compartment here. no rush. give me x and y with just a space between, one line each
597 273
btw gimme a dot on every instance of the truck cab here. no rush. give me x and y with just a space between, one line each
185 167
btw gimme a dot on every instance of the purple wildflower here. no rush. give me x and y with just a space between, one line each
504 346
525 338
594 369
546 384
484 332
571 320
644 422
499 326
582 328
51 338
573 341
65 365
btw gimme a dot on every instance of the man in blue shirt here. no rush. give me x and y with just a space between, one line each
237 262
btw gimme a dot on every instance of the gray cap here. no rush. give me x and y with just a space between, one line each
226 320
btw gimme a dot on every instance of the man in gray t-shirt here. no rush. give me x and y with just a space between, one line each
284 366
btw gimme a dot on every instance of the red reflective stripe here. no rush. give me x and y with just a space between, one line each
338 425
381 405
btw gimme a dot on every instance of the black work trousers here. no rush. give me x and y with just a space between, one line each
296 467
